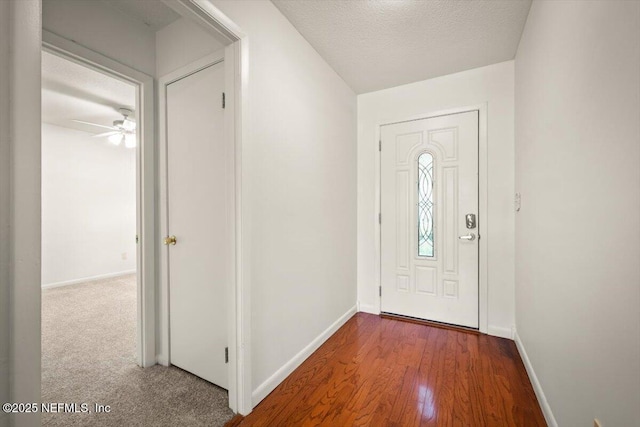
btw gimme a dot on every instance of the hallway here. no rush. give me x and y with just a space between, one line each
382 372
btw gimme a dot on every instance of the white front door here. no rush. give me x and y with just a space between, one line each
198 218
429 253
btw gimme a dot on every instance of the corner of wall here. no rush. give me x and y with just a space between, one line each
368 308
501 331
537 387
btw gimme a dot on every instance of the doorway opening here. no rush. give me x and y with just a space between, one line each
197 242
90 255
150 317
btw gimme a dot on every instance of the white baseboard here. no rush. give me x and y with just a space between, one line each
546 409
274 380
87 279
499 331
366 308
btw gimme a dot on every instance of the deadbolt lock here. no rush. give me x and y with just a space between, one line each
470 220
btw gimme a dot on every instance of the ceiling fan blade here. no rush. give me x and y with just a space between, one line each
100 135
95 124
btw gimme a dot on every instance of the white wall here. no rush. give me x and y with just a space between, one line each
180 43
24 204
5 191
299 189
103 29
492 85
88 206
578 233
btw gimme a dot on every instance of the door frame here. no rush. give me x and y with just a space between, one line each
145 181
164 339
236 54
483 223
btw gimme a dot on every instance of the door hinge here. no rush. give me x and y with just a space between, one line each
380 145
137 240
226 355
224 101
380 218
379 290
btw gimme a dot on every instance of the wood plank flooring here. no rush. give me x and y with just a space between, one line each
384 372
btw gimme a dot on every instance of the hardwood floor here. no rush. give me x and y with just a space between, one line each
384 372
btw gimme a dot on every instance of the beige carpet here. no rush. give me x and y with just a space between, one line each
88 356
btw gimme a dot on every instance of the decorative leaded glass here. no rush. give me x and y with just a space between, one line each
425 205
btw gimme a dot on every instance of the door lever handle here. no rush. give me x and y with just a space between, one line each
170 240
470 237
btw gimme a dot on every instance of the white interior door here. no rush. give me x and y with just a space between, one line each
429 184
198 218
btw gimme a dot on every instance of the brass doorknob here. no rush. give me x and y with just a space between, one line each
170 240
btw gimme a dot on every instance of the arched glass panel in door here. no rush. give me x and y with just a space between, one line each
425 205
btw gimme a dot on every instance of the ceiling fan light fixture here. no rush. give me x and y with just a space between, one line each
116 139
129 124
123 131
130 140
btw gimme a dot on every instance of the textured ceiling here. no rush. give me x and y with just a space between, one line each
377 44
72 91
152 13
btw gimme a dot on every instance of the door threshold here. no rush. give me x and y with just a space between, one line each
432 323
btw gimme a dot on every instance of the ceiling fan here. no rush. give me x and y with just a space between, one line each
122 131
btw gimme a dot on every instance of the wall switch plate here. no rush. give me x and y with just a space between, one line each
596 423
124 255
518 202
